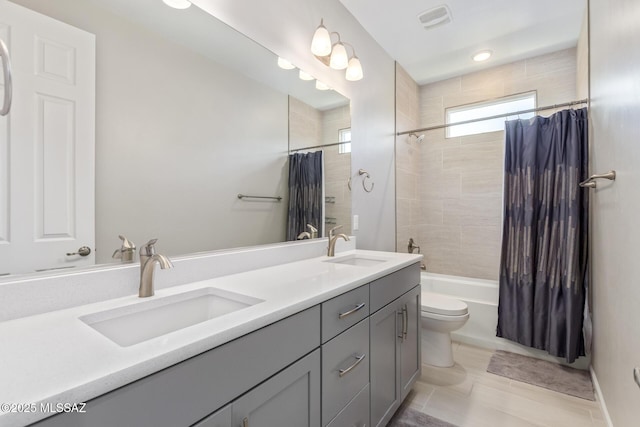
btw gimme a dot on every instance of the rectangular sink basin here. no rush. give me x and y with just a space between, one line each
357 260
136 323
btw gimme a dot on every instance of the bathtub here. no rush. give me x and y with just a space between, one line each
481 296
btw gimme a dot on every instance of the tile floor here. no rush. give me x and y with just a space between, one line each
468 396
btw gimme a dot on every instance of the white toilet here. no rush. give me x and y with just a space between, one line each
440 316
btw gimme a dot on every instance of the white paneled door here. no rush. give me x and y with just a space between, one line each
47 144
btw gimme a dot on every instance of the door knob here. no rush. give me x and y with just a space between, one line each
82 251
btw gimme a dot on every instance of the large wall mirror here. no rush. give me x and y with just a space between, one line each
188 115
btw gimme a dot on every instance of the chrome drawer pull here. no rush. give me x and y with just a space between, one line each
245 422
353 310
343 372
405 322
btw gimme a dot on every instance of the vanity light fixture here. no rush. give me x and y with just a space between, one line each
178 4
483 55
305 76
284 64
321 86
335 54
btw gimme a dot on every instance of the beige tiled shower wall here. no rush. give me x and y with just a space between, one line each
309 127
407 159
337 168
459 180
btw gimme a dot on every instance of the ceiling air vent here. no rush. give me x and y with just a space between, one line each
433 17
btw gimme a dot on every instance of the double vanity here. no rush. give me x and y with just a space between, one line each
321 341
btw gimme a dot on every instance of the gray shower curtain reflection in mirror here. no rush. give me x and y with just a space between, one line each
305 193
543 268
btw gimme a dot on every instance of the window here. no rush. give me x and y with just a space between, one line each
344 135
507 104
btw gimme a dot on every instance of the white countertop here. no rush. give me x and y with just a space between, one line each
55 357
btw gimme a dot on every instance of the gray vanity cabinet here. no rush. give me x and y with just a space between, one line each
395 341
288 399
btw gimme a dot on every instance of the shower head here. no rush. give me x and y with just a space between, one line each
419 138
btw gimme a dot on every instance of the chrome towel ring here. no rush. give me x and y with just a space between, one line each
366 176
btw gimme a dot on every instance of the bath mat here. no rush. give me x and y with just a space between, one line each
549 375
407 417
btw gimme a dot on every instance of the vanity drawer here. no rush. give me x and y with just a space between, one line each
356 414
345 369
387 288
344 311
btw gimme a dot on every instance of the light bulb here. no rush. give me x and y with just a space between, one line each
321 42
354 70
177 4
321 86
305 76
284 64
339 59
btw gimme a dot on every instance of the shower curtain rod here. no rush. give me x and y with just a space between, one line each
318 146
497 116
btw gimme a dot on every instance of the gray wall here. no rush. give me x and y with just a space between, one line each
286 28
171 159
615 109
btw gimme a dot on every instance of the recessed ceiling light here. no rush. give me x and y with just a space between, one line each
177 4
482 56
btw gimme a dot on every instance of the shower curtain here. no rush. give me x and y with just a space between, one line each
543 267
305 193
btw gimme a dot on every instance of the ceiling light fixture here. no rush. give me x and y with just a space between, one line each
335 54
284 64
305 76
483 55
178 4
321 86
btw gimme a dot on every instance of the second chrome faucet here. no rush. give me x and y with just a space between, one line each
333 238
148 259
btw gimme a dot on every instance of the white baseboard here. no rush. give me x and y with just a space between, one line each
600 397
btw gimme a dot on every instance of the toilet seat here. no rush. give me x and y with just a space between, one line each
442 305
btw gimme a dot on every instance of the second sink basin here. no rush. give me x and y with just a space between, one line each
140 322
357 260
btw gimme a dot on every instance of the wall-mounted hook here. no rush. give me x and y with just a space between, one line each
366 176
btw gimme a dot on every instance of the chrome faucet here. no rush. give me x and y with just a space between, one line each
127 251
312 231
304 235
331 250
148 260
311 234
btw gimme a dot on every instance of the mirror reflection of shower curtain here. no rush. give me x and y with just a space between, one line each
306 198
543 266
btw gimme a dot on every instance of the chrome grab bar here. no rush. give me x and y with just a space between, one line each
8 83
590 182
353 310
343 372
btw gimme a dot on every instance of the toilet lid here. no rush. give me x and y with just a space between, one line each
440 304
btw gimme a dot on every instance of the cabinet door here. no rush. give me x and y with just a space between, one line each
410 358
385 326
289 399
